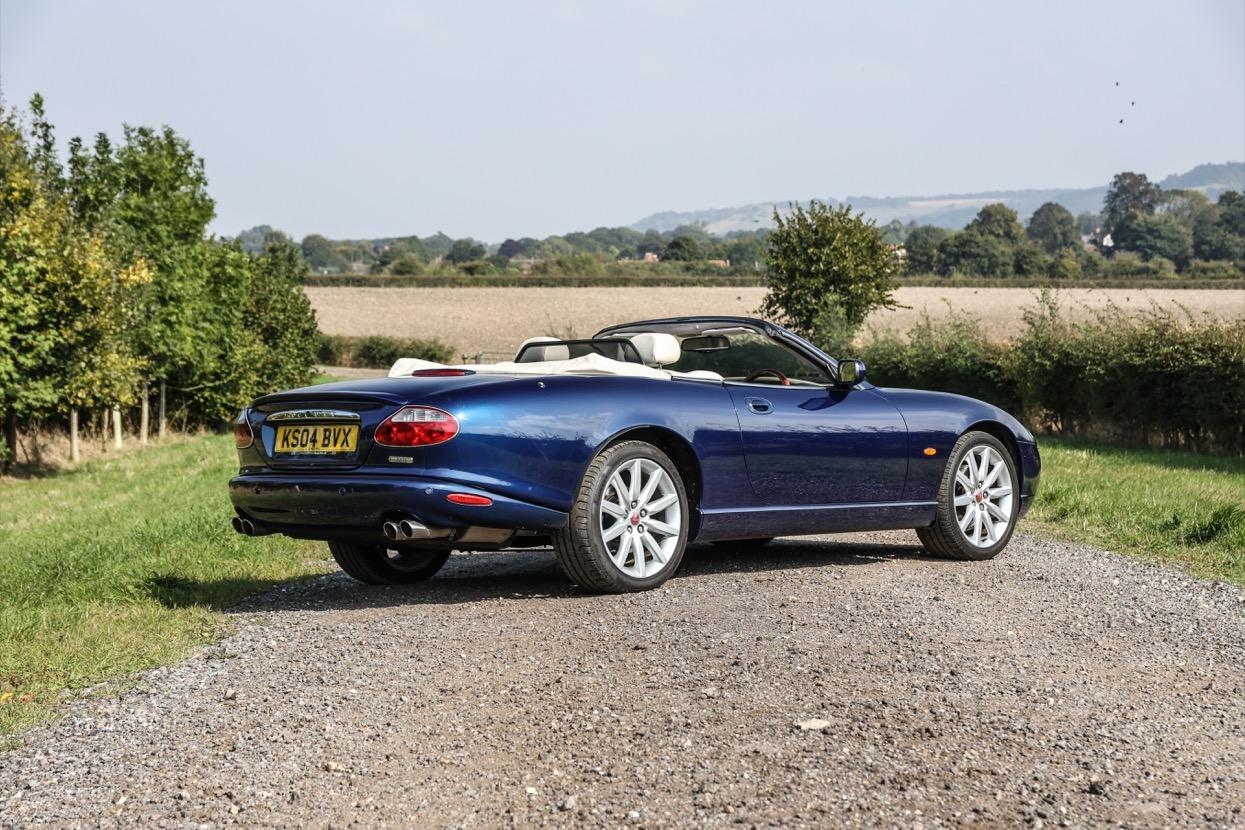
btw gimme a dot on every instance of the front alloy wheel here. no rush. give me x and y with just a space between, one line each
977 501
983 496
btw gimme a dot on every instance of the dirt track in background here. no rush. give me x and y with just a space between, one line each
836 681
498 319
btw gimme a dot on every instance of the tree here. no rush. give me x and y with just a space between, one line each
1188 207
827 269
922 248
1129 195
1028 260
465 250
66 303
509 249
998 221
318 251
407 265
1053 227
1066 265
1157 235
683 249
1221 233
975 254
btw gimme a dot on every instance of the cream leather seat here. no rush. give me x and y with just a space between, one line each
657 348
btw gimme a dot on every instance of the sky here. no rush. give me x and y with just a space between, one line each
501 119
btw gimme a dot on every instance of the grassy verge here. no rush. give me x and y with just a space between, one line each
1172 506
122 565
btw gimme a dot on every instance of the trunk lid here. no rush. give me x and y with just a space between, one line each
330 427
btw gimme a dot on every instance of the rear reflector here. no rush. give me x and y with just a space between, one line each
441 373
416 426
469 498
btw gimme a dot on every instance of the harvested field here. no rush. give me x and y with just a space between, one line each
497 319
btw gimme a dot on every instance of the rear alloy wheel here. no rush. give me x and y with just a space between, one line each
381 565
977 501
628 526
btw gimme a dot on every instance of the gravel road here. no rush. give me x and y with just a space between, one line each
843 681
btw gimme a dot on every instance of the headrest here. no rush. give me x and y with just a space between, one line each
542 354
657 348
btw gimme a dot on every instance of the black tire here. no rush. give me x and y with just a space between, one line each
582 553
375 565
743 543
944 538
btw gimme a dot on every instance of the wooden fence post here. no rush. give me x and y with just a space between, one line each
116 427
75 451
163 421
144 421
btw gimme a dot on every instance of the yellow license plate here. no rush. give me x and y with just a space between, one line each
319 438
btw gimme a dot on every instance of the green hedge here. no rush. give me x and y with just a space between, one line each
1153 378
1196 279
378 352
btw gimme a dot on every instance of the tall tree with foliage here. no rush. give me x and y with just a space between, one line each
66 303
998 221
1053 227
827 269
1128 196
922 248
1159 235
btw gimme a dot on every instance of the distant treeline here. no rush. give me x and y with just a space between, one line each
1143 232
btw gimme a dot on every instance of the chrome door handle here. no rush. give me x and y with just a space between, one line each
759 405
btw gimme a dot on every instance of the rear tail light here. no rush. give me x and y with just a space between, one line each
416 426
242 435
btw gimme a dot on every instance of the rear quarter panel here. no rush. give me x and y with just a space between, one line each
533 438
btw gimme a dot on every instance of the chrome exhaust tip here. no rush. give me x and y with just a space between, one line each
236 524
411 529
392 531
248 527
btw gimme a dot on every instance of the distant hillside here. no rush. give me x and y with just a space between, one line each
952 210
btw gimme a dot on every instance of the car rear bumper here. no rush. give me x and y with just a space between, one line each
341 506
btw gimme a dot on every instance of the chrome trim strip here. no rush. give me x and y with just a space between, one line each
314 415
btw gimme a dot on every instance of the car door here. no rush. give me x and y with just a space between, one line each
806 445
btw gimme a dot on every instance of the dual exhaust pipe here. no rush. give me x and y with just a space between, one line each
407 530
404 530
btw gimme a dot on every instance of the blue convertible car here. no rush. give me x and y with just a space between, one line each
620 449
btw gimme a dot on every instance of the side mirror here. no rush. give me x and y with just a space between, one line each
850 372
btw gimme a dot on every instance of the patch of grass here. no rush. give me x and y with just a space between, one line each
1172 506
122 565
322 378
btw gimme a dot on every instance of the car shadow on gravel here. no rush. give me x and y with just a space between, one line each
534 574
